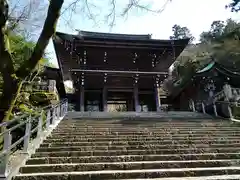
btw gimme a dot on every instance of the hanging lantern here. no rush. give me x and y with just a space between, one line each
105 57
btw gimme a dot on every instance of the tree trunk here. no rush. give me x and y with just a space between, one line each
8 99
43 40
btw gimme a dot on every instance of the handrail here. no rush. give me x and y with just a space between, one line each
13 120
25 115
53 114
201 106
228 105
220 92
228 102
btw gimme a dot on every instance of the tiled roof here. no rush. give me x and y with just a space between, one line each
113 35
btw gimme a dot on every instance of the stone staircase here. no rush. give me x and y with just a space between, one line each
137 149
170 115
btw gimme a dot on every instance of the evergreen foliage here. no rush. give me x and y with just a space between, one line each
221 44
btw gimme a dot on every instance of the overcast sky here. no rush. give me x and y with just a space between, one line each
197 15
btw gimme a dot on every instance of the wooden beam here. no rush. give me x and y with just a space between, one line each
151 43
118 72
122 46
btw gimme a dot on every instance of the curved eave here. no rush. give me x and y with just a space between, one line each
206 68
59 37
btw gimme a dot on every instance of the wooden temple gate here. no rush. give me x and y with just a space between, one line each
118 69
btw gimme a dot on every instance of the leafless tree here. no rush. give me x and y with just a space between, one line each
108 10
26 17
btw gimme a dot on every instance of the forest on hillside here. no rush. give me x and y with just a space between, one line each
221 43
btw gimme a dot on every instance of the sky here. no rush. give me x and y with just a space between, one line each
197 15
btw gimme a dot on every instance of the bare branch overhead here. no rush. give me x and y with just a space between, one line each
43 40
109 9
26 16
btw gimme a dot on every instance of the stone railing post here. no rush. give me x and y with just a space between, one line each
65 107
53 115
61 110
7 137
215 109
193 106
40 124
27 134
203 108
48 120
227 91
57 112
230 111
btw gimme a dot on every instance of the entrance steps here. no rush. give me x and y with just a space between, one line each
137 149
141 115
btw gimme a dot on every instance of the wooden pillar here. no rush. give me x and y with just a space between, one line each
104 99
82 109
158 101
136 99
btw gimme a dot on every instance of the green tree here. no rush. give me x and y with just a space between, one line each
191 59
20 49
218 30
221 43
181 33
227 51
231 26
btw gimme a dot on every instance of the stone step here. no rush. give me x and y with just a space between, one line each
123 143
146 135
135 147
98 166
149 122
137 138
147 125
221 177
135 152
174 136
126 158
131 174
152 126
156 127
160 132
139 116
130 121
123 130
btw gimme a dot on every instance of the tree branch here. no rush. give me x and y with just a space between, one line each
137 4
112 14
47 32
